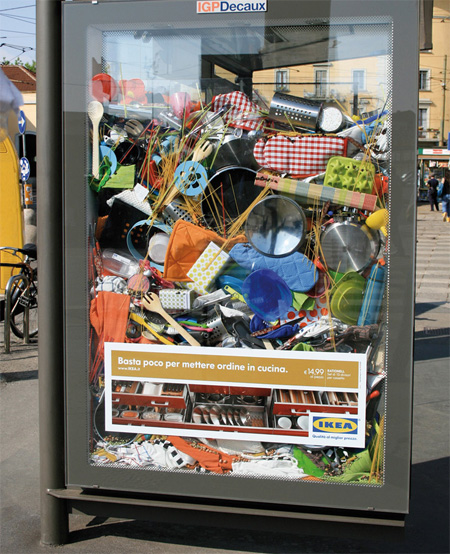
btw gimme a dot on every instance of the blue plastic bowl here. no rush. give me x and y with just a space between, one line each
267 294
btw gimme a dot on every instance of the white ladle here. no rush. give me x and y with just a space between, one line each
95 113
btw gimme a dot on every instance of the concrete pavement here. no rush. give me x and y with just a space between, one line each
426 528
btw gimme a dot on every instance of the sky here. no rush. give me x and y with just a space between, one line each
18 30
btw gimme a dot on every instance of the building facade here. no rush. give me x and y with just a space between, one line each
434 78
434 100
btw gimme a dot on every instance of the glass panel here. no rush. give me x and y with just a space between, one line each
238 254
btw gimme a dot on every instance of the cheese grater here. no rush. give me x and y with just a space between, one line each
174 211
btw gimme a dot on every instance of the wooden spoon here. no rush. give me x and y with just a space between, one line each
152 304
95 113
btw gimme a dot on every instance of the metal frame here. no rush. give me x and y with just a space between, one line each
54 519
63 337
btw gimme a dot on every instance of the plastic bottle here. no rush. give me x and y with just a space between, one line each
373 295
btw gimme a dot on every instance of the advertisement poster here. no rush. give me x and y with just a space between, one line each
238 258
219 394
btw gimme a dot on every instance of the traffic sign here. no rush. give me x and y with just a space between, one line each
24 169
22 122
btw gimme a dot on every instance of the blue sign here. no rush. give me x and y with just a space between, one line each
24 169
335 424
22 122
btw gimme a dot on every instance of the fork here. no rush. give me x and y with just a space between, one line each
152 304
202 151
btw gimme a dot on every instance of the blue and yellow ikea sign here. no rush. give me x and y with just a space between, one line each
335 425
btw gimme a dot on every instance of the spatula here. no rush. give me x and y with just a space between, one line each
152 304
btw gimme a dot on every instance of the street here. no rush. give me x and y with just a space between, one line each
426 527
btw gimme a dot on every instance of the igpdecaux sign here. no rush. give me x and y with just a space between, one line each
227 7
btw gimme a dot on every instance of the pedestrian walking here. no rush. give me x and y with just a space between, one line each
432 185
446 197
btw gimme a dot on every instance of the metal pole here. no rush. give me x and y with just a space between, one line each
444 90
54 517
355 97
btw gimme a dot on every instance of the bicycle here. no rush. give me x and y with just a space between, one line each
22 289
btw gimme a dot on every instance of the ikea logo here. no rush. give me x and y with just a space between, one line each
227 7
335 425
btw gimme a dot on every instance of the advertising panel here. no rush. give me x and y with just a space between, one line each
238 188
222 395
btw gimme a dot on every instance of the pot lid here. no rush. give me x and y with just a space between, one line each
349 246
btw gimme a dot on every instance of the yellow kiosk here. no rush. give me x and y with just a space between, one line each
11 222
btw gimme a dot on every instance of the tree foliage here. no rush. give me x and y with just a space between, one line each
31 66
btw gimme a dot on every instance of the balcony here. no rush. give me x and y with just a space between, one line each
428 135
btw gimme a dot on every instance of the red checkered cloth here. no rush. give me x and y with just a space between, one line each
299 156
243 114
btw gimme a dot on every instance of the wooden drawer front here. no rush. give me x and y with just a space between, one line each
143 400
224 389
302 409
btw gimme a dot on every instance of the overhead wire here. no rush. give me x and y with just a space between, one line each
13 31
24 19
17 8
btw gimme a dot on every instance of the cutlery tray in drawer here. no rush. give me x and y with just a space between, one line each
295 402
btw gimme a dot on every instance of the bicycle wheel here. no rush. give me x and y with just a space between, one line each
20 298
